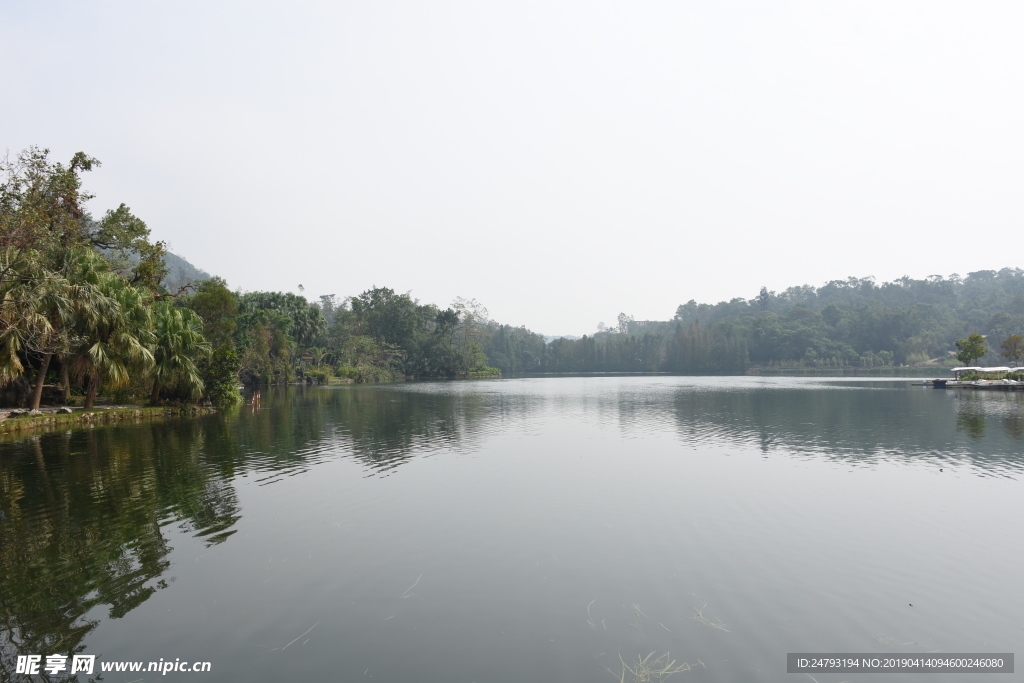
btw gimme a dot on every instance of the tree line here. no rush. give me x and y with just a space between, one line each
845 323
376 336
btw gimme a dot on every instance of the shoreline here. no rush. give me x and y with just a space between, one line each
49 419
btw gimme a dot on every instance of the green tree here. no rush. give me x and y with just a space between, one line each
320 355
67 295
23 295
386 316
41 209
220 376
218 308
831 315
116 338
48 305
1013 348
970 349
41 206
124 240
304 320
178 343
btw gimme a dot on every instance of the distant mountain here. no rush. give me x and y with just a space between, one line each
180 273
548 338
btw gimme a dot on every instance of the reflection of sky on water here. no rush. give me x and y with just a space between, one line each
637 478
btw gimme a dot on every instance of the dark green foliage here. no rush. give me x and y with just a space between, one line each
764 298
270 328
317 376
377 336
178 343
691 350
304 321
386 316
124 240
381 334
1013 348
970 349
845 323
218 307
515 349
858 322
220 375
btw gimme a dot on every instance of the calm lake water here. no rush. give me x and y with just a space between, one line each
550 529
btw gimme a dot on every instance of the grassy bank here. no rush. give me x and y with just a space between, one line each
86 419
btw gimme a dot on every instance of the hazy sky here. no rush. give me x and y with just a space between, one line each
558 161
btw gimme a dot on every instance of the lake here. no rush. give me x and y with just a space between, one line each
555 529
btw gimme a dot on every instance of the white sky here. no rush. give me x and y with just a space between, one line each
558 161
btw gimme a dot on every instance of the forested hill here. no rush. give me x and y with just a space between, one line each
844 323
180 273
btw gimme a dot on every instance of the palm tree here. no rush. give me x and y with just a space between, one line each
42 305
178 341
17 318
320 355
115 337
69 295
52 308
